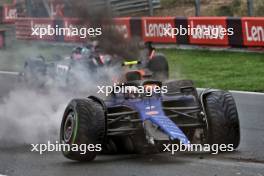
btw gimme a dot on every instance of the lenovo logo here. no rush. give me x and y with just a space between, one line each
122 29
203 31
10 13
254 33
157 29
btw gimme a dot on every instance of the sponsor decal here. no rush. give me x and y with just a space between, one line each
122 25
209 30
152 113
9 13
155 29
253 31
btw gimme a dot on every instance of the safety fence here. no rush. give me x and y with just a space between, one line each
247 31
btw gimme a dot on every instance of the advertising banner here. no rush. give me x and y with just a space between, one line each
156 29
122 25
253 31
209 30
9 13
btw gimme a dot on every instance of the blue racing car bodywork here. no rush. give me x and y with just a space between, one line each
136 122
150 108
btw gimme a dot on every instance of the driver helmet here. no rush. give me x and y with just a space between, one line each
79 52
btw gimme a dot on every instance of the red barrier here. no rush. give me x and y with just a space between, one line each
202 37
230 31
72 23
153 29
122 25
2 39
24 28
9 13
253 31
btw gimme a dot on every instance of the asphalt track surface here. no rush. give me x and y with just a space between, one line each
248 160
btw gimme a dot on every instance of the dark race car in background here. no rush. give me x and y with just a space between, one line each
82 62
90 61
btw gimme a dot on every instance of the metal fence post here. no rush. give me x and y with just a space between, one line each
150 2
197 7
250 7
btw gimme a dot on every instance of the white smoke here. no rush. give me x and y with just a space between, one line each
28 116
33 115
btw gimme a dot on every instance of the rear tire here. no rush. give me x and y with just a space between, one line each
83 123
160 67
222 119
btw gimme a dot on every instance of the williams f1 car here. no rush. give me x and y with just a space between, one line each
136 123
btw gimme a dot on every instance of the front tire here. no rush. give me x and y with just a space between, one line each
83 123
222 119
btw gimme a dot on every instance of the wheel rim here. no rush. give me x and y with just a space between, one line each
69 127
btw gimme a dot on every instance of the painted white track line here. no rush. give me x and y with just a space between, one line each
9 73
2 175
239 92
245 92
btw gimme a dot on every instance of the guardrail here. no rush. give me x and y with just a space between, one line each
247 31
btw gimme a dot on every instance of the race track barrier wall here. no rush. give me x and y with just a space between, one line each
2 39
8 13
247 31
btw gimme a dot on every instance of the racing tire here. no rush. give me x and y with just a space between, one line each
222 119
83 123
159 66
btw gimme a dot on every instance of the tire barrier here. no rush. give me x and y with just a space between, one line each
239 32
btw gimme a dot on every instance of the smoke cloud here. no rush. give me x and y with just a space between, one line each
33 115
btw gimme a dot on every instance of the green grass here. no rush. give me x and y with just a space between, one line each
214 69
218 69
